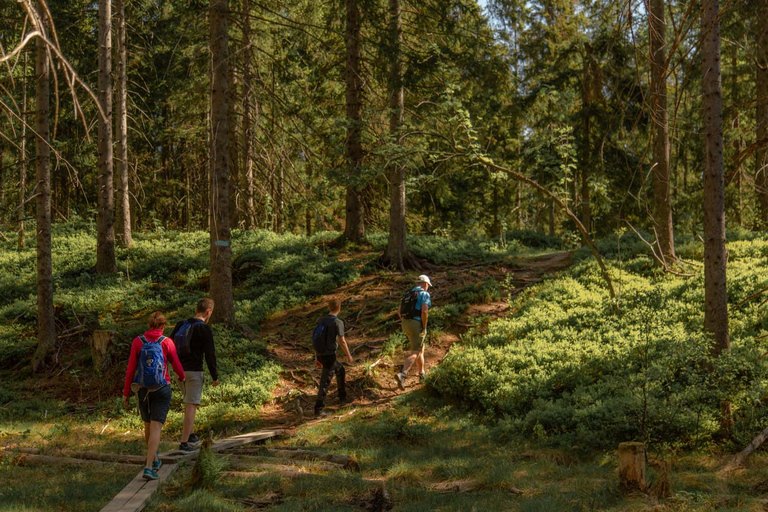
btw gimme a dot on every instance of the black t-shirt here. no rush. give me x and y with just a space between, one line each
335 329
200 344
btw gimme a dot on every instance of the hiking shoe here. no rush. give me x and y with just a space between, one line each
194 440
321 413
400 378
156 465
422 376
150 474
186 447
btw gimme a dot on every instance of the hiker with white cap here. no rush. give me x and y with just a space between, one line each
414 313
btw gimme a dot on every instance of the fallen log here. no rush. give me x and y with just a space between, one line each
31 459
238 462
751 448
98 456
344 460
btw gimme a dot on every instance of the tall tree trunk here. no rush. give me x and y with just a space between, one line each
23 158
586 99
221 250
396 253
715 294
738 142
761 119
354 229
46 325
248 125
662 211
121 122
279 198
105 217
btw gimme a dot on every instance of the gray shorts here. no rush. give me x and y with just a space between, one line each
192 388
412 329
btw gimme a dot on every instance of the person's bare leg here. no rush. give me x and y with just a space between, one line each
153 442
420 362
409 362
146 433
189 422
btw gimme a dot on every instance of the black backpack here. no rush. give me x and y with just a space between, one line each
183 337
408 304
324 336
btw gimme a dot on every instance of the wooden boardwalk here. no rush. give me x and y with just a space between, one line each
135 495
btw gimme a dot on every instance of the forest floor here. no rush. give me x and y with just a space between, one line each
369 311
416 451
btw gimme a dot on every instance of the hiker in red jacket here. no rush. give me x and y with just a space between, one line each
148 376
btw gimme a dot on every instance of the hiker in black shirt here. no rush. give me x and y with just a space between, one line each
331 337
200 341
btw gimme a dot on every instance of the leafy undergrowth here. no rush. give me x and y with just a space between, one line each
431 456
567 370
73 407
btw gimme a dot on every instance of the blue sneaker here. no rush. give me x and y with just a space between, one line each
150 474
156 465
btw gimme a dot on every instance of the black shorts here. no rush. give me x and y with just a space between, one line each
154 405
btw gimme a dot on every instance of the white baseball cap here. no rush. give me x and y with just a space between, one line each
424 279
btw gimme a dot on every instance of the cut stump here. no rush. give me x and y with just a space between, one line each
632 466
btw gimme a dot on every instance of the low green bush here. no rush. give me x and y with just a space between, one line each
567 368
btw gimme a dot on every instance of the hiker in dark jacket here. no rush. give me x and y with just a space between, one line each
200 345
414 325
333 336
153 401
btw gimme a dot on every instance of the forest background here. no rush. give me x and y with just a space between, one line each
254 139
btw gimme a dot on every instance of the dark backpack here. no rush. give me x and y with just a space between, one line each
322 340
151 370
183 338
408 304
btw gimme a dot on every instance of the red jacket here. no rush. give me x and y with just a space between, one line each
169 354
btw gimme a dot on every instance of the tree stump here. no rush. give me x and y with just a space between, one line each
100 353
632 466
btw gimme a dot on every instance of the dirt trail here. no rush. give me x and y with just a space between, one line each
369 311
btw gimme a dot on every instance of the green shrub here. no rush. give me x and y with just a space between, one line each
568 369
478 293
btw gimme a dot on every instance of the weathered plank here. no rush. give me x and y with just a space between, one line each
134 497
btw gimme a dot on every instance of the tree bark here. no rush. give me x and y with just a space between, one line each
221 250
586 97
105 216
121 122
248 125
738 142
354 229
662 211
23 159
396 253
46 325
715 294
761 119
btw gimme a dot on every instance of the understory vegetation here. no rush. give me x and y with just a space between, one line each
430 457
565 368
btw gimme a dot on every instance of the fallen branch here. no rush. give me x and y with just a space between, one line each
756 294
344 460
739 459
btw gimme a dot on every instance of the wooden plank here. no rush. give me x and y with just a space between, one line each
140 499
135 495
244 439
126 494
